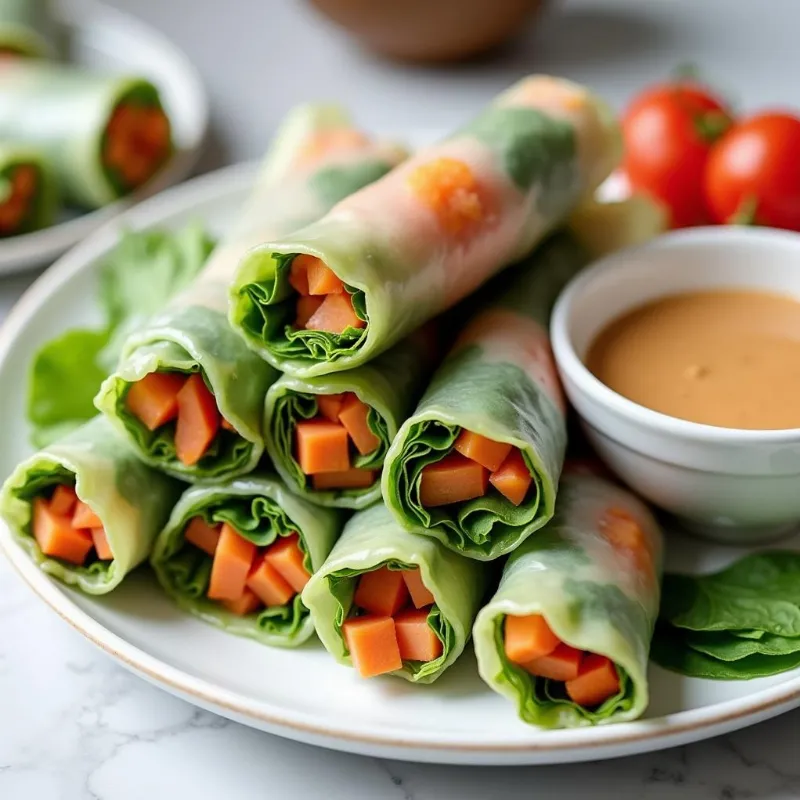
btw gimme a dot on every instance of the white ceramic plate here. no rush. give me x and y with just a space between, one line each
105 39
302 694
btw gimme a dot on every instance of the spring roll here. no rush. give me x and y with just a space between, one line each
238 554
430 233
390 601
328 436
27 28
187 391
477 463
567 635
28 194
105 134
85 509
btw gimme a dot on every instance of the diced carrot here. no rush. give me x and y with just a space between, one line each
198 420
298 274
322 446
63 500
226 426
56 537
449 188
84 517
232 561
248 603
372 642
452 480
154 399
560 665
486 452
335 315
24 181
349 479
199 533
621 530
101 544
513 479
306 308
528 637
269 584
353 416
597 681
421 596
382 591
330 405
322 279
415 638
155 131
286 556
12 213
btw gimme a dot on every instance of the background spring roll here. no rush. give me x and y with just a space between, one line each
389 601
187 390
328 436
237 555
85 509
567 634
477 464
28 193
27 28
105 134
430 233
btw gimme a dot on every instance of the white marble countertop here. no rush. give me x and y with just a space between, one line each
74 725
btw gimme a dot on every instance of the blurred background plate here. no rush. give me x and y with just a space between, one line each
109 40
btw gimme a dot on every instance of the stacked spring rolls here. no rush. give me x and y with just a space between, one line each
307 345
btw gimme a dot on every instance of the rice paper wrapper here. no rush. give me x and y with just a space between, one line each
372 539
259 508
132 501
595 595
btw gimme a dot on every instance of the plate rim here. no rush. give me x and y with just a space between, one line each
30 251
577 744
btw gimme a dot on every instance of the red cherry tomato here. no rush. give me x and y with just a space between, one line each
669 131
753 174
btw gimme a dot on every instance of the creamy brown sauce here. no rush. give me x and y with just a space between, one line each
724 358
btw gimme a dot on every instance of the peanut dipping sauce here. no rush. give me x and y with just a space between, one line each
728 358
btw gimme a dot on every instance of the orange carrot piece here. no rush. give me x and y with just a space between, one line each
199 533
452 480
101 544
248 603
382 591
286 557
621 530
24 181
84 517
349 479
298 274
322 446
561 665
421 596
513 479
306 308
153 400
449 188
232 561
198 420
330 405
63 501
372 642
335 315
528 637
322 279
597 681
56 537
415 638
486 452
269 584
226 426
353 416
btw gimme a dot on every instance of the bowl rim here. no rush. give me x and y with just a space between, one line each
594 389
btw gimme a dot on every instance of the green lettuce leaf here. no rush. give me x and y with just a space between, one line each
724 646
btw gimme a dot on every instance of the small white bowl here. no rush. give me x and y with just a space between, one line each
736 486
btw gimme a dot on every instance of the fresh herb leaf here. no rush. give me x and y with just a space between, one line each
726 647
